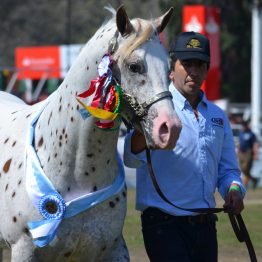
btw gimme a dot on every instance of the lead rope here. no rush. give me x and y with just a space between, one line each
237 221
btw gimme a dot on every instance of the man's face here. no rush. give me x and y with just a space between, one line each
188 76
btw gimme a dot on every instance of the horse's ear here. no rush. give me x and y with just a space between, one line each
122 21
163 20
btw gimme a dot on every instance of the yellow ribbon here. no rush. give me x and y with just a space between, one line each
98 112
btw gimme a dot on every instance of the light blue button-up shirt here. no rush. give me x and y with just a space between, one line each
204 159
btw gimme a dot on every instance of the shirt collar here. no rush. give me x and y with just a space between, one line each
180 101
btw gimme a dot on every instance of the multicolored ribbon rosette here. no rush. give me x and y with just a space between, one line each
107 100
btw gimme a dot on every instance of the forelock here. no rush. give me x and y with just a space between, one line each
143 32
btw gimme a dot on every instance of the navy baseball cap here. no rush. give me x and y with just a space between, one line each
192 45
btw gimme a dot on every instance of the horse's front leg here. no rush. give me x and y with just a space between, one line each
119 253
23 251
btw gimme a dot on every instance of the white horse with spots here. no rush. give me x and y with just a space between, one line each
62 190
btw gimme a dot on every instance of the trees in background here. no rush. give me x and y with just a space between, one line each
34 23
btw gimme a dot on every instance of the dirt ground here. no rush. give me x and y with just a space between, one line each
140 256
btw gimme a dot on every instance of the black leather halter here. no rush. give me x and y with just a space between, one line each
136 111
237 221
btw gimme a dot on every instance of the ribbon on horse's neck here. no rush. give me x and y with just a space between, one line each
46 198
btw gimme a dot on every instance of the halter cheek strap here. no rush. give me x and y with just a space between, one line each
156 98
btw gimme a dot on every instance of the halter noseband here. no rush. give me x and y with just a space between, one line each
137 111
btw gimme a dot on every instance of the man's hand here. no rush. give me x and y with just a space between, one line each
233 202
138 142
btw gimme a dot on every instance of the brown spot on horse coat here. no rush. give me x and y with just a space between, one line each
7 165
112 204
50 118
26 230
40 142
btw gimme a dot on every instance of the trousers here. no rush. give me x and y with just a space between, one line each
170 238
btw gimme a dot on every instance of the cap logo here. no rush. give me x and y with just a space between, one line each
193 43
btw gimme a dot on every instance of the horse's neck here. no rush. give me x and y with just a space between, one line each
75 155
72 151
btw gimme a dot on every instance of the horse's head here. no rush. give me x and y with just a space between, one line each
141 66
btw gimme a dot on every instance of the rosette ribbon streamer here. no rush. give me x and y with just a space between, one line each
107 100
49 202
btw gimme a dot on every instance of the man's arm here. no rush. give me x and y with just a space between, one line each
134 153
229 180
138 142
234 200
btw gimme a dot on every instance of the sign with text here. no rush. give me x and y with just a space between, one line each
35 62
45 61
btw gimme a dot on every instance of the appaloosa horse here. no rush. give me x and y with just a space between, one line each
62 187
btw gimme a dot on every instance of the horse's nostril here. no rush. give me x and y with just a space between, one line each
163 132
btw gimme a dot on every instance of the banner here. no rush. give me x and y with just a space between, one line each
37 62
45 61
206 20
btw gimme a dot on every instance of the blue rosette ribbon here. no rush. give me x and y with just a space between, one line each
105 65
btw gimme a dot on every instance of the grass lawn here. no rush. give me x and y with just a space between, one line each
229 248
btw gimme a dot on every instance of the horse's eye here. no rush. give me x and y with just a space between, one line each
136 68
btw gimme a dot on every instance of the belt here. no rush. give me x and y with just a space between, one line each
154 215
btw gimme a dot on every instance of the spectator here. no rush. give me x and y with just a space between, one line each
248 147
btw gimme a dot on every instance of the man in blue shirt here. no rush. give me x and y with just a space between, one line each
203 160
248 147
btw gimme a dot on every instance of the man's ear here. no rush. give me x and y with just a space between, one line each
171 75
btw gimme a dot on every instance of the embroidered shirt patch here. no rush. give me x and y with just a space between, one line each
218 121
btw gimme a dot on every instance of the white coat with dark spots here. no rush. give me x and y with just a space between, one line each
76 156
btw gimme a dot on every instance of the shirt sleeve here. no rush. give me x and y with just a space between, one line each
130 159
228 170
